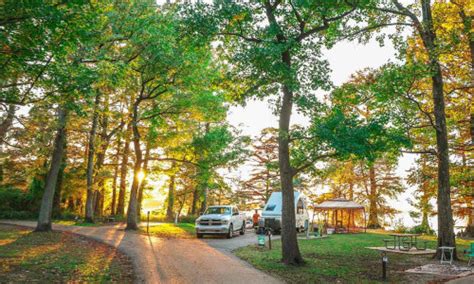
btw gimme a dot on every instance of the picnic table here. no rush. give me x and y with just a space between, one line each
405 242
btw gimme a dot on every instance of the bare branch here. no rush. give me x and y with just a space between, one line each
311 162
429 151
325 25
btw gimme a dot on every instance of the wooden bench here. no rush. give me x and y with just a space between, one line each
407 245
421 248
387 242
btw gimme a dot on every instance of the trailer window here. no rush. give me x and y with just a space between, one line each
270 207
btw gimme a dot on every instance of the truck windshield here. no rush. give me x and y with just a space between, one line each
218 210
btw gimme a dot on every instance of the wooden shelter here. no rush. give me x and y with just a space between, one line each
342 214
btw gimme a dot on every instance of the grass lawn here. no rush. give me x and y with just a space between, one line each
76 223
170 230
341 258
58 257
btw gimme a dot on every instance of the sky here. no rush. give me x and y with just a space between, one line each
345 58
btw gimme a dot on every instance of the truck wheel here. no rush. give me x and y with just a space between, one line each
199 236
242 230
231 231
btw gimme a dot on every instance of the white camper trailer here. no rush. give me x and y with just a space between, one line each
272 212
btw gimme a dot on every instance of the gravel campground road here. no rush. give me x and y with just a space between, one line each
158 260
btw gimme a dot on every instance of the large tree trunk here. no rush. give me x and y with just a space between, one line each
90 163
290 250
132 221
195 200
289 243
351 190
100 160
123 173
467 22
373 222
60 181
44 219
143 182
204 199
114 182
446 235
170 203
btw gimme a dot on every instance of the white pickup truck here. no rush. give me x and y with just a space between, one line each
220 220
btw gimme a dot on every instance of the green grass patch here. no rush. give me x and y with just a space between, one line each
55 257
340 258
170 230
77 223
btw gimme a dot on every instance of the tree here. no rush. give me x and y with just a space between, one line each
174 80
424 177
264 178
275 46
90 162
44 219
395 13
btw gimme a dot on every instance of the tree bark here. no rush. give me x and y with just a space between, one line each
132 222
446 235
467 22
195 200
170 203
373 222
59 183
44 219
123 173
143 181
114 182
90 162
351 190
100 160
290 249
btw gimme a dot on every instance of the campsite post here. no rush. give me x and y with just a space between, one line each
269 232
147 221
384 265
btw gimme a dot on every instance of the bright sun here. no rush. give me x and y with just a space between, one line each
141 175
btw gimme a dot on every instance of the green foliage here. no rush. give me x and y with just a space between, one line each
399 227
422 229
18 204
341 258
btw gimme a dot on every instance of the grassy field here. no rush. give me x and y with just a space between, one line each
58 257
170 230
341 258
76 223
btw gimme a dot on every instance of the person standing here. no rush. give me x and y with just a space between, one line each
255 218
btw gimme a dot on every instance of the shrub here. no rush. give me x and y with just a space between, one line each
399 227
188 219
68 215
12 199
421 229
18 204
18 215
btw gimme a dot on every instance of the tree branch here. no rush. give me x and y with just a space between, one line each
251 39
311 162
325 25
429 151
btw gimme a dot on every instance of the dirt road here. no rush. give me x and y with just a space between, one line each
171 260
